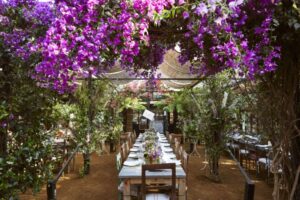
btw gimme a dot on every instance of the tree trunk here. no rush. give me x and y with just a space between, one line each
295 142
214 157
279 117
5 93
3 142
111 146
214 169
86 162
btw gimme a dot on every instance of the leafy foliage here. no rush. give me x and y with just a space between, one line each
215 117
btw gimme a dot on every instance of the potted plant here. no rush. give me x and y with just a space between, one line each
114 134
191 131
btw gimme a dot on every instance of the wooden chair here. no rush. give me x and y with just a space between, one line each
171 139
168 135
243 152
184 164
184 160
265 161
123 152
153 192
119 161
177 147
133 136
129 139
127 147
119 165
123 137
178 137
133 189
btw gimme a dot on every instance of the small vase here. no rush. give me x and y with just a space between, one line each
151 160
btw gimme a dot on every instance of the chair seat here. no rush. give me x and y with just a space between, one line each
244 151
157 196
265 161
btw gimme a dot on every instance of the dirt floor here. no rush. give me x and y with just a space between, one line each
102 182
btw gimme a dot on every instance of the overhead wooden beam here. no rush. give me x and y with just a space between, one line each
140 78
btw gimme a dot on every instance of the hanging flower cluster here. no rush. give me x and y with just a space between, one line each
87 37
22 22
231 34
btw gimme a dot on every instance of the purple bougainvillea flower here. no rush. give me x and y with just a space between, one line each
185 15
180 2
201 9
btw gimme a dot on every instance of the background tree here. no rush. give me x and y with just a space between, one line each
216 117
26 155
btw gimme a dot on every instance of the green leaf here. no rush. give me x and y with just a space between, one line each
173 13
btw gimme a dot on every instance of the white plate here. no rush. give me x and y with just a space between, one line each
132 155
134 149
165 144
163 141
170 155
131 163
167 149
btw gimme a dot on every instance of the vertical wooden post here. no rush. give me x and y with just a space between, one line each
249 191
86 155
51 190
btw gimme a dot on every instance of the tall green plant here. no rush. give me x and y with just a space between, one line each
215 104
130 103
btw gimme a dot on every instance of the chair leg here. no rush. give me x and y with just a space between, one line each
268 174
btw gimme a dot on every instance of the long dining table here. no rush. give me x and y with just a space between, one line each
132 174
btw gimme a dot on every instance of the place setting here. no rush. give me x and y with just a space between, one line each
132 163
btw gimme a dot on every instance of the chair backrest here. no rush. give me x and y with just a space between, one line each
118 161
129 139
185 160
133 136
152 167
167 135
123 152
176 146
127 148
171 138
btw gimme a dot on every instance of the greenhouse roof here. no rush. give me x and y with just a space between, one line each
173 75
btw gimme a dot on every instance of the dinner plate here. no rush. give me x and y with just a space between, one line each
165 144
163 141
131 163
168 150
133 155
170 155
134 149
